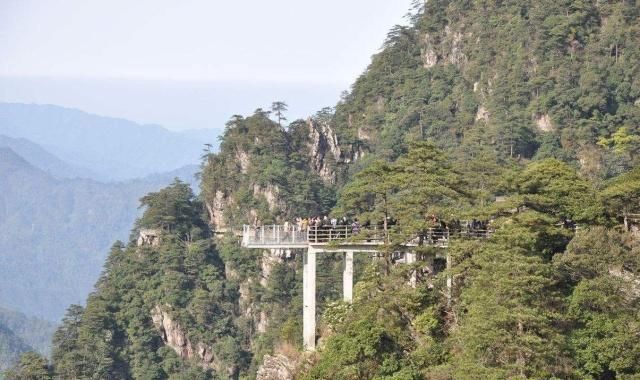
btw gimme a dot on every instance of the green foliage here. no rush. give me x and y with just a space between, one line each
410 190
263 170
181 277
555 188
622 193
371 344
497 68
603 304
32 366
11 347
169 208
506 327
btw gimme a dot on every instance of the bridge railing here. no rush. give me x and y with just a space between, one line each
633 217
326 234
281 235
273 235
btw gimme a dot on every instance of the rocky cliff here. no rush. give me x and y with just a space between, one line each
176 337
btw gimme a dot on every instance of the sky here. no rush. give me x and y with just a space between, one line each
184 64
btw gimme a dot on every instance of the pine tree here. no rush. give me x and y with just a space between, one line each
279 108
508 311
32 366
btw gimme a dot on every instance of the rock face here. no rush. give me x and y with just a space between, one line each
543 122
277 367
589 159
174 336
323 149
148 236
271 193
633 282
242 158
482 114
446 48
216 210
455 55
429 55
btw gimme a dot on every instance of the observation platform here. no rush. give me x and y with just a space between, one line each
328 238
345 239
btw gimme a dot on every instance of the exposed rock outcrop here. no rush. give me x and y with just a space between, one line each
149 236
216 210
447 48
242 158
269 259
455 55
271 193
483 114
543 122
590 160
364 134
323 150
633 282
277 367
429 55
174 336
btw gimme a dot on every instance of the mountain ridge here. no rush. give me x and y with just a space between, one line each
90 141
41 158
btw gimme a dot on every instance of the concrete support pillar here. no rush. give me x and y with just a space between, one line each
449 279
411 259
347 277
309 300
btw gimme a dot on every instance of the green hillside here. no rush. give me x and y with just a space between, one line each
523 114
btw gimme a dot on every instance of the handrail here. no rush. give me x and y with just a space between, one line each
273 235
325 234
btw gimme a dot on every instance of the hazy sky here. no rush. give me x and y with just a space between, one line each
284 43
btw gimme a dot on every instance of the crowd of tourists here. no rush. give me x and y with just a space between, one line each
316 223
325 223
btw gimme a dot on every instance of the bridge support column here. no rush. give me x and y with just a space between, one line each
449 280
347 277
309 299
411 259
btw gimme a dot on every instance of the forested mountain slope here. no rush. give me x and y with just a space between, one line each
521 113
523 78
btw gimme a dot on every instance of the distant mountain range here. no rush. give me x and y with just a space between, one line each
57 232
39 157
69 188
19 334
97 147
